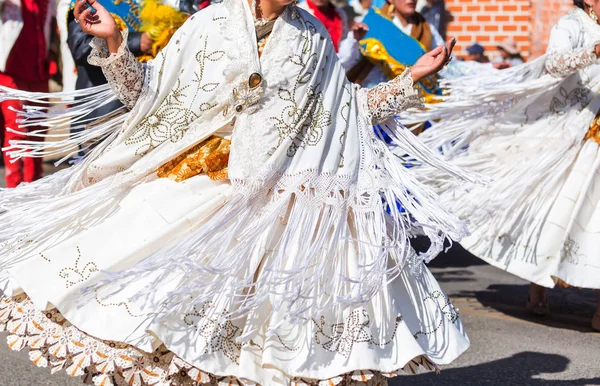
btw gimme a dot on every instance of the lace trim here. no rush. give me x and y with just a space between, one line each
391 98
54 342
124 73
561 64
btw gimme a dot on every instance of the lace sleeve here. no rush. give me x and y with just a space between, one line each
391 98
123 72
561 64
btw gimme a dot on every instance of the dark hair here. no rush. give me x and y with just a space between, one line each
579 3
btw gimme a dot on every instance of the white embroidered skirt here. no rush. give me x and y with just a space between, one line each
113 341
566 249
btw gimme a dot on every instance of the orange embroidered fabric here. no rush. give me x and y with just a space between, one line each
211 157
594 131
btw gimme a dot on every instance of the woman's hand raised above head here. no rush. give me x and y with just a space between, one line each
432 62
97 21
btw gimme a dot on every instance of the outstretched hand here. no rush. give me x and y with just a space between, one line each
95 20
433 61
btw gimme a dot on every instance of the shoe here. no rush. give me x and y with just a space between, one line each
596 321
541 309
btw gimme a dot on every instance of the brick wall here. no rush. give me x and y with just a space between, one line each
489 22
545 14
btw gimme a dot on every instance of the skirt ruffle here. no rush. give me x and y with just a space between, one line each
53 342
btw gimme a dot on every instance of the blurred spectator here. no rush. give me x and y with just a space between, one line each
509 55
404 16
25 29
476 53
412 23
90 76
357 9
334 19
434 12
69 74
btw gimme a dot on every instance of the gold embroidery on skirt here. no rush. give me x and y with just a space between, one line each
211 157
594 131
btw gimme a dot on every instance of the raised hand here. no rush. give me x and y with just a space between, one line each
432 62
359 30
95 20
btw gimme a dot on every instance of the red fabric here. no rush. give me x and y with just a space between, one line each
28 59
25 169
203 3
332 21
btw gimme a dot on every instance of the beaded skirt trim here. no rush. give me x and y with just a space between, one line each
55 343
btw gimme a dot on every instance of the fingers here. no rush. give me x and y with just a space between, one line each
80 6
436 51
95 4
440 60
362 26
85 13
450 45
86 17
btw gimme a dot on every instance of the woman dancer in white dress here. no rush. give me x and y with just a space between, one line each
238 225
534 129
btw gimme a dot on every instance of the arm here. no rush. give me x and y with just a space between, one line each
388 99
123 72
565 54
391 98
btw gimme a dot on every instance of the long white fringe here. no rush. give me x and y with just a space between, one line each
37 209
61 117
510 207
322 248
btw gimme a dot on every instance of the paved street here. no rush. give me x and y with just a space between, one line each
507 346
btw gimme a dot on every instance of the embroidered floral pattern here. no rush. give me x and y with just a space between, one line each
176 112
570 251
355 329
568 99
345 113
125 305
446 308
76 274
304 125
217 330
53 342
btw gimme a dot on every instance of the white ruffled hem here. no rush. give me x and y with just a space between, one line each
55 343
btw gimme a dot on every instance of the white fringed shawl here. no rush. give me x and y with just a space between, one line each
305 165
523 128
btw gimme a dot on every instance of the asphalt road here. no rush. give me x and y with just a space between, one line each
508 347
